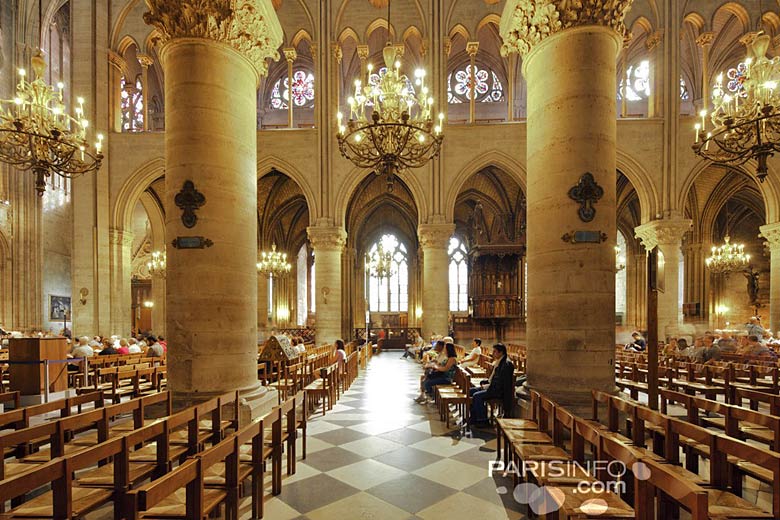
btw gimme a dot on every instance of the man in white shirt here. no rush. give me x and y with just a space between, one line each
132 346
472 359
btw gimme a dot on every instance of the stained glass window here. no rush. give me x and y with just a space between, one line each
736 79
636 85
302 91
132 105
684 94
390 294
459 276
487 87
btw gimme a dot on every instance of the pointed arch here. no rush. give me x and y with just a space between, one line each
495 158
270 162
348 33
642 183
459 30
301 35
131 190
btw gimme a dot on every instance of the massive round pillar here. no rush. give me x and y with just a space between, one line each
328 244
771 232
212 64
434 240
570 68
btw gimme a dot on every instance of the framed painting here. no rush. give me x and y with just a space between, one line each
59 307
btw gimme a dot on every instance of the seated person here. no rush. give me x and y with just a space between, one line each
638 343
124 348
155 349
108 348
133 347
440 373
341 355
755 348
500 385
80 350
438 352
417 345
472 358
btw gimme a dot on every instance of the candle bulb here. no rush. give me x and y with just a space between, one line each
697 126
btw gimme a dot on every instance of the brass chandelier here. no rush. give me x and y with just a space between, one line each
745 117
273 263
157 265
390 126
727 258
38 134
379 263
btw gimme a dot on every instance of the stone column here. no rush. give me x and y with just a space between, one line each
327 243
146 61
667 234
704 41
471 49
213 61
569 63
771 232
121 301
434 240
262 307
290 55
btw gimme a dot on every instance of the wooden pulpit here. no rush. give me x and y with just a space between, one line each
28 377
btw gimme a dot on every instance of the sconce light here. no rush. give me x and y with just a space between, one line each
148 304
418 312
83 292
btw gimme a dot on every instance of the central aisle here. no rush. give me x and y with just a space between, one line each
379 455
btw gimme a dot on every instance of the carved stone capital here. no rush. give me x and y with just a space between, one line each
662 232
337 51
362 52
447 46
117 61
145 60
705 39
472 48
654 40
290 54
249 26
748 39
435 236
327 238
525 23
771 232
627 39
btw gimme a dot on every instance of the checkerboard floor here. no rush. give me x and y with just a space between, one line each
379 455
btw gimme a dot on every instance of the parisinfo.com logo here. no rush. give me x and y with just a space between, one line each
550 498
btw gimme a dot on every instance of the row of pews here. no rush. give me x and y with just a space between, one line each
660 454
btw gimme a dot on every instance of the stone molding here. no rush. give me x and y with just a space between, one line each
145 60
525 23
662 232
290 54
654 40
435 236
771 232
122 238
330 238
249 26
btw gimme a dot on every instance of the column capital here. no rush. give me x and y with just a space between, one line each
662 232
290 54
327 238
654 40
249 26
362 52
705 39
118 61
748 39
525 23
145 60
771 232
447 46
435 235
337 51
472 48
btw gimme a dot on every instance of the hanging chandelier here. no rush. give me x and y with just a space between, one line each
38 134
379 263
620 260
390 126
727 258
273 263
157 265
745 116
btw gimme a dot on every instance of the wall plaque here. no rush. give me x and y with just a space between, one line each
191 243
586 237
587 193
188 200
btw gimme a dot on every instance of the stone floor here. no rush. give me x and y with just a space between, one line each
379 455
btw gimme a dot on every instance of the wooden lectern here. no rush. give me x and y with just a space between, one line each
29 378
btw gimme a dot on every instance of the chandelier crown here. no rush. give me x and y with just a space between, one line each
273 263
727 258
744 122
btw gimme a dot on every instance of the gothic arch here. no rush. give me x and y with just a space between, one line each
272 162
356 176
131 190
769 188
490 158
643 184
